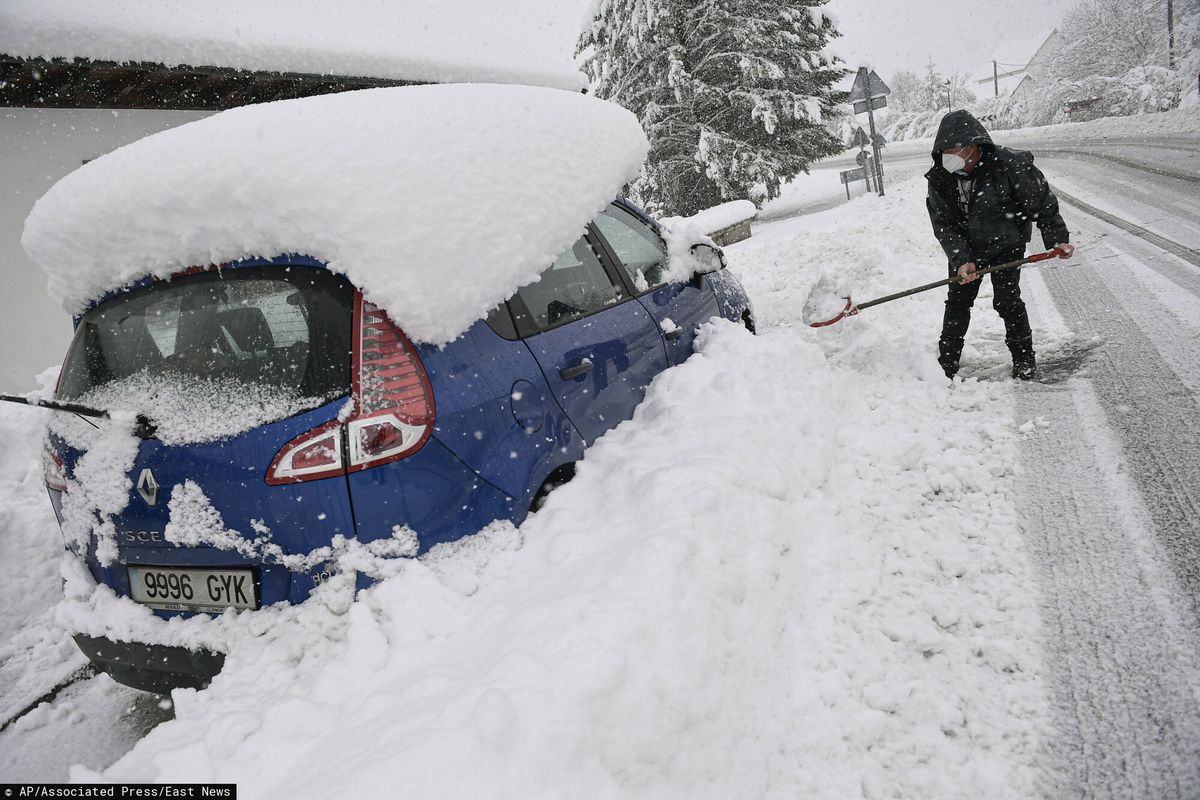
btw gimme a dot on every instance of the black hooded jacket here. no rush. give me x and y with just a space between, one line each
1008 194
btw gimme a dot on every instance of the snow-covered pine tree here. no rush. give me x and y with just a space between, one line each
731 93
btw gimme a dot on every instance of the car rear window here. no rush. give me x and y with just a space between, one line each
281 331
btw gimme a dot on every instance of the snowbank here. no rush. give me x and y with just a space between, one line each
413 40
35 651
711 220
825 596
1180 122
439 201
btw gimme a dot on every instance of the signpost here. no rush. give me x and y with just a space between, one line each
851 175
868 94
863 159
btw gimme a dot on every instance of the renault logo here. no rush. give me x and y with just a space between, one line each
147 487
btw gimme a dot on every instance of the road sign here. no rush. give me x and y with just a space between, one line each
863 106
860 138
861 158
868 85
868 94
879 140
851 175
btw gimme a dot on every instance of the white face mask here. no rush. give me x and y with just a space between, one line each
953 163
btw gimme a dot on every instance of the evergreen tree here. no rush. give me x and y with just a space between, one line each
905 86
731 93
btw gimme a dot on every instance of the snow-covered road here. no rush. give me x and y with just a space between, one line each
855 582
1109 492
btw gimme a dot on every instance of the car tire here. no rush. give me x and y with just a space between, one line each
748 321
559 477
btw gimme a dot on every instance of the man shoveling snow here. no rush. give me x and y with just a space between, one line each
982 201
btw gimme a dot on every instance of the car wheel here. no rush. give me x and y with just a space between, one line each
559 477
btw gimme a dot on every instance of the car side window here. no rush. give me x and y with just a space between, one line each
575 285
640 250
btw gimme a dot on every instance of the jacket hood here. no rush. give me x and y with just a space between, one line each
959 129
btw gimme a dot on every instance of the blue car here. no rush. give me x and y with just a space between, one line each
439 441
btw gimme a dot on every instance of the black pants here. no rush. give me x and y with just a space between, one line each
1006 287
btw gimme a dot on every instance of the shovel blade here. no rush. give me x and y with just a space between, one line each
826 304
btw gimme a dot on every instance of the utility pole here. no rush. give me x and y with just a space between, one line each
996 75
948 106
1171 34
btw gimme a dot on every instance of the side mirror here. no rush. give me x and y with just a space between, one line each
708 258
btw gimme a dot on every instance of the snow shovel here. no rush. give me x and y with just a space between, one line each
817 311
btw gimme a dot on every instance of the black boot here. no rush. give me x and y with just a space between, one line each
948 355
1024 362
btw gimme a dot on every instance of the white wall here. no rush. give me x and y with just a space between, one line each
37 147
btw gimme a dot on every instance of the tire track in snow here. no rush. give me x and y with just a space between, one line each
1186 253
86 672
1112 494
1166 172
1154 412
1120 649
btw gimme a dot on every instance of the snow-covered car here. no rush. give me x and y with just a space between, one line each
386 353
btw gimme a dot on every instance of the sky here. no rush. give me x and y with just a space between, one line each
958 35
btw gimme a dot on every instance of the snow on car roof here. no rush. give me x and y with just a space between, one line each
412 40
437 201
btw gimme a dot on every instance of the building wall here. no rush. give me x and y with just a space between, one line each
37 147
1025 89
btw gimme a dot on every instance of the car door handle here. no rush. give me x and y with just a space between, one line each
674 334
570 373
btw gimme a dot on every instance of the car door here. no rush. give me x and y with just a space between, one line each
678 308
597 347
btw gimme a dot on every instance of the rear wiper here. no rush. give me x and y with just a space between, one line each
145 427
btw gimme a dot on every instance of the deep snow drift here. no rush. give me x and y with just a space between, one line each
796 573
438 201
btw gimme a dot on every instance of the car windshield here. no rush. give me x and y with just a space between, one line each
274 335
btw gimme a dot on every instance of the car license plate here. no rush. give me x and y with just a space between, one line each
176 589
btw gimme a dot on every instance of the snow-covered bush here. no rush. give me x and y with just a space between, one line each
1142 90
917 105
911 125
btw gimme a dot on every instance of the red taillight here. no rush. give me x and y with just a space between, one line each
393 407
316 454
393 410
53 472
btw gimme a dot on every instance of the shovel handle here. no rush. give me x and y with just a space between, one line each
947 281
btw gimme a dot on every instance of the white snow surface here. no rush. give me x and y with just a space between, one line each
188 408
413 40
711 220
438 201
1178 123
828 598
